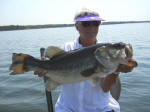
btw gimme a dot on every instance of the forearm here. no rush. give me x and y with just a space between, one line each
108 81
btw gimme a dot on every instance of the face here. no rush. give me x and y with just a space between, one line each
88 29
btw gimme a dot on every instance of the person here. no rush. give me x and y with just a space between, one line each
83 96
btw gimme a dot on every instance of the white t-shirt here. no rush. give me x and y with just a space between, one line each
83 96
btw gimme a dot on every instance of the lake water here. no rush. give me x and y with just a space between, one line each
26 93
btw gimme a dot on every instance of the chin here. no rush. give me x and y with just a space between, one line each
91 36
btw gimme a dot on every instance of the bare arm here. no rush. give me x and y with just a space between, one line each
108 81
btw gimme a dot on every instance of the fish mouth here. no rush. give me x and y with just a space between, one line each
126 48
128 51
129 55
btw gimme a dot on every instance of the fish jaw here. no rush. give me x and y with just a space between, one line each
113 55
126 54
129 50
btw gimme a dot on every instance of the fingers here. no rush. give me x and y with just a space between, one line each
132 63
127 68
36 72
46 77
40 73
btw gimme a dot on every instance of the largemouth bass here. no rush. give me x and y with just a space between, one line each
76 65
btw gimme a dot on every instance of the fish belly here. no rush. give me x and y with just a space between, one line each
66 77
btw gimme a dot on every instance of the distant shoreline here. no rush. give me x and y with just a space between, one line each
25 27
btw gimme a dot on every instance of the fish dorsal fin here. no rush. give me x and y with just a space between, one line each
52 51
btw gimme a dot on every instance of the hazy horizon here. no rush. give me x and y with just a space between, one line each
40 12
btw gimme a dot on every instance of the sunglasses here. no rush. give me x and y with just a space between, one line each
90 23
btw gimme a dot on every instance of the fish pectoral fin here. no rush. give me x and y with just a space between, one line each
52 51
51 85
88 72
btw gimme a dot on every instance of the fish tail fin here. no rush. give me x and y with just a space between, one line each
18 63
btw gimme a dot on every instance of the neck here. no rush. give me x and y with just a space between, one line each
87 41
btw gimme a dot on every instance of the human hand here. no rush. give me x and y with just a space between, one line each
40 73
127 68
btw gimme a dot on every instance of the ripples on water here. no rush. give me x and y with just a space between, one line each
26 92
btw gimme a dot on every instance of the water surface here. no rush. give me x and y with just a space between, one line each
26 93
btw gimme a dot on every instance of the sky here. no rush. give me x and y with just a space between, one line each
37 12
